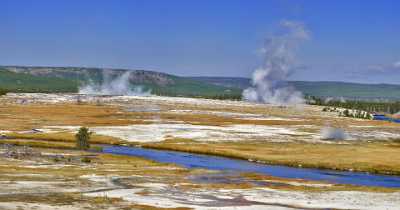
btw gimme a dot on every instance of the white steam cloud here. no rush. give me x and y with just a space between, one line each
330 133
114 85
269 81
329 99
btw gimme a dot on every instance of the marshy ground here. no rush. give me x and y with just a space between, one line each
59 176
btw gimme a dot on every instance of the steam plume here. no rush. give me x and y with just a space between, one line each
329 133
114 85
269 81
328 99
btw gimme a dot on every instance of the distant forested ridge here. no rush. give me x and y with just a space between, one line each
352 91
25 82
388 107
68 79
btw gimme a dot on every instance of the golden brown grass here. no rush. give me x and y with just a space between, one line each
307 185
55 198
102 164
147 207
369 157
39 143
377 158
64 137
215 120
75 199
25 117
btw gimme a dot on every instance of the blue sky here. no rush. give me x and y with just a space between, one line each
352 40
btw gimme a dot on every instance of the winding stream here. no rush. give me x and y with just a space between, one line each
190 160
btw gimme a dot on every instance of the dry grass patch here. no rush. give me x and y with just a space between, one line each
368 157
215 120
101 164
25 117
58 199
64 137
147 207
307 185
39 143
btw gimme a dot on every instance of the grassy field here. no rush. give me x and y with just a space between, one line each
378 157
25 117
367 157
64 137
70 175
127 165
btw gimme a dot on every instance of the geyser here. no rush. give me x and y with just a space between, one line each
114 84
269 80
330 133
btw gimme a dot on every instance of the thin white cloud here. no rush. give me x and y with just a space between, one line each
384 68
376 68
396 64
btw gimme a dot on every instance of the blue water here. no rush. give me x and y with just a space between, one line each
220 163
385 118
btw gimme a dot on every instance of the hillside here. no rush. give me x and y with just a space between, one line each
321 89
68 79
22 82
349 90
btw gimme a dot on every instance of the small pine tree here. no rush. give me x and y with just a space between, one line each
82 138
